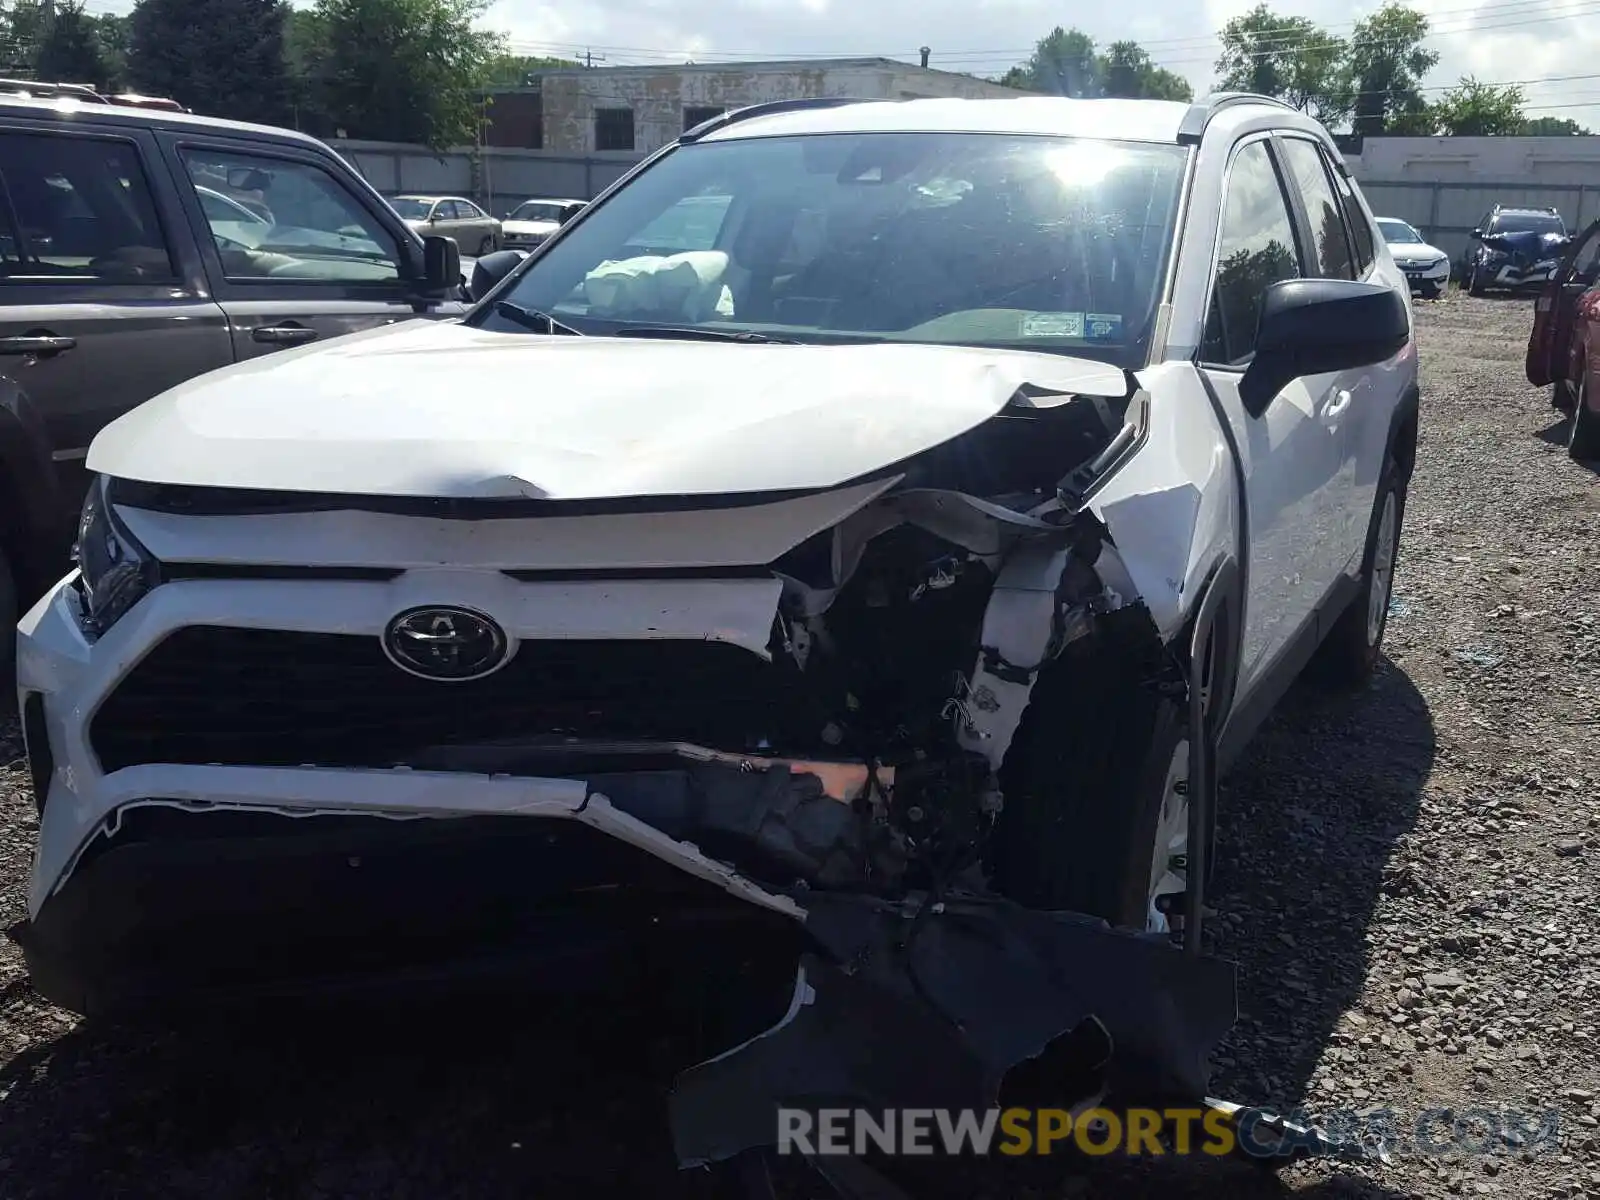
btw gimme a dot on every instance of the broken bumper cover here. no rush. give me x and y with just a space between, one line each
1516 276
893 1011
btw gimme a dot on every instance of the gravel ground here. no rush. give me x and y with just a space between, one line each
1402 883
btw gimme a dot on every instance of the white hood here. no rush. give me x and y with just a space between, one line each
1414 252
528 228
429 408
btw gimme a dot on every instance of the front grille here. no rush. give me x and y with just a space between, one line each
210 694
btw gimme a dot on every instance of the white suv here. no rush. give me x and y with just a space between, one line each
877 521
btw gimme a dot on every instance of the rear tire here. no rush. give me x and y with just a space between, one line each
1561 396
1349 654
1583 435
1085 782
486 247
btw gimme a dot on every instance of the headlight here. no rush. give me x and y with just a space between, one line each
114 570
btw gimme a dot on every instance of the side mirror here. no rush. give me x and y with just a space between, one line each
1476 234
490 270
1314 326
441 264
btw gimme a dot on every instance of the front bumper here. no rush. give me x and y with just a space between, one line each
1435 274
1510 276
176 880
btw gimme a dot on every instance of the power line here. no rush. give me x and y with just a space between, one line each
998 59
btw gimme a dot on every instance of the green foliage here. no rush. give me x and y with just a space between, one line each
1126 71
1554 127
1291 58
512 70
70 49
1063 63
1066 63
1474 109
400 70
1384 68
220 57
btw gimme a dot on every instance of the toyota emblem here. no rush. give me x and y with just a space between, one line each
447 644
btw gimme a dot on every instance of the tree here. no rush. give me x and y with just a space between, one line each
21 31
1474 109
69 49
1063 63
1384 68
1126 71
1554 127
111 36
404 70
1066 63
219 57
1288 57
512 70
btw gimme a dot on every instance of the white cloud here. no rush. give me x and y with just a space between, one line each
1496 40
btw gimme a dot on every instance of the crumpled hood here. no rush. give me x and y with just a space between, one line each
438 409
1527 247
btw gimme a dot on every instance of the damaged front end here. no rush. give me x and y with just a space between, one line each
844 729
911 642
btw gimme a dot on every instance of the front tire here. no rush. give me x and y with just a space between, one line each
1583 435
1475 283
1093 804
1349 654
1431 291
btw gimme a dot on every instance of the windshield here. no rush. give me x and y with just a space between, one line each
1527 223
1034 243
1397 231
411 210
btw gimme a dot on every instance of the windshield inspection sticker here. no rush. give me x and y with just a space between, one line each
1065 325
1104 325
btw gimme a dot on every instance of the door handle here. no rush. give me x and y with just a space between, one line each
43 345
1337 404
283 335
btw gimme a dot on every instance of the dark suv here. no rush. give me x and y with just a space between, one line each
141 248
1517 249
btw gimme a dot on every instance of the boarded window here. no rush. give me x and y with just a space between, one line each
699 115
613 129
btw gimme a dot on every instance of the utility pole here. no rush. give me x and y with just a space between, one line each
590 58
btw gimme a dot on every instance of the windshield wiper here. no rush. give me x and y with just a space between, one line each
532 318
698 334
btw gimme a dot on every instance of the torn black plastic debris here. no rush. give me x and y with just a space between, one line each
894 1012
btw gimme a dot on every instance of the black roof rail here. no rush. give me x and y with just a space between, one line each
767 109
1193 125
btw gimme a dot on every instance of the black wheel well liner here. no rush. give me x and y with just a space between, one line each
1403 431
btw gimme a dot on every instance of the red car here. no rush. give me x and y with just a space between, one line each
1564 347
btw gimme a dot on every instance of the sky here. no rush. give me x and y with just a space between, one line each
1548 46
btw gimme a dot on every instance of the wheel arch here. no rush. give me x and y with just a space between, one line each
1403 431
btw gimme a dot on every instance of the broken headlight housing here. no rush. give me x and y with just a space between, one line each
113 569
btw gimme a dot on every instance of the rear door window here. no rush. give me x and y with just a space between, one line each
84 212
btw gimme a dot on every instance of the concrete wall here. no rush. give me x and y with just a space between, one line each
659 96
498 179
1444 186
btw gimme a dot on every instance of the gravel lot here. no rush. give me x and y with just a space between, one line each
1402 883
